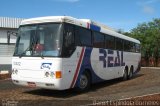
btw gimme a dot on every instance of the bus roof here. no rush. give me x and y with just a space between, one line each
86 23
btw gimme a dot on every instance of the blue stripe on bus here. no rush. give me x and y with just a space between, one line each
86 64
95 28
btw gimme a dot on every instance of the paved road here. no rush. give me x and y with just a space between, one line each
147 81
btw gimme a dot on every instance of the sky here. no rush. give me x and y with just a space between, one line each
117 14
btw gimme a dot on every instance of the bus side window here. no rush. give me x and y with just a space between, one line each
110 42
69 42
126 46
132 47
77 36
119 44
83 37
98 40
137 48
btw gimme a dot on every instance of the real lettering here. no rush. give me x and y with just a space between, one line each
111 60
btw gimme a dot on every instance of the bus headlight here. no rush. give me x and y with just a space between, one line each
46 74
52 74
56 74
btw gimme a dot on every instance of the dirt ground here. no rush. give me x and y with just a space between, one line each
147 81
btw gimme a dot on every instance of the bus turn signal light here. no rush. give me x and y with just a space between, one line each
58 74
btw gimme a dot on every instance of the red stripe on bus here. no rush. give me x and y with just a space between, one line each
77 69
88 25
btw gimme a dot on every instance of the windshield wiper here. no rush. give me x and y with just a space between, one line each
42 56
24 52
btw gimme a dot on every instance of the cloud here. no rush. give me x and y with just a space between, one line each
147 2
70 1
148 10
151 1
147 6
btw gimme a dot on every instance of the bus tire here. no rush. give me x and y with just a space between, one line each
130 73
84 82
125 75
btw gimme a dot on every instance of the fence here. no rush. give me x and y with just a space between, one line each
150 63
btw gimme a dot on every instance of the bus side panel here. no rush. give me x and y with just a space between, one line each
99 69
103 64
132 59
106 64
76 65
69 66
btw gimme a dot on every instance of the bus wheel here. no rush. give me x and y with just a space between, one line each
130 73
84 82
125 75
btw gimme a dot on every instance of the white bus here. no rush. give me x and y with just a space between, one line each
62 52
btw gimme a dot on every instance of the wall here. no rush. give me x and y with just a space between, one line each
3 35
6 50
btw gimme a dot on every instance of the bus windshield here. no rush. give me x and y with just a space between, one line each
39 40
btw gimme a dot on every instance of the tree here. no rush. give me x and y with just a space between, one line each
149 36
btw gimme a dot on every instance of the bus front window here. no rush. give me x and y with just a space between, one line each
39 40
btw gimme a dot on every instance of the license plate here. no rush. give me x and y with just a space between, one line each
31 84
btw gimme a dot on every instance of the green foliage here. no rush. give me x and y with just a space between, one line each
149 36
